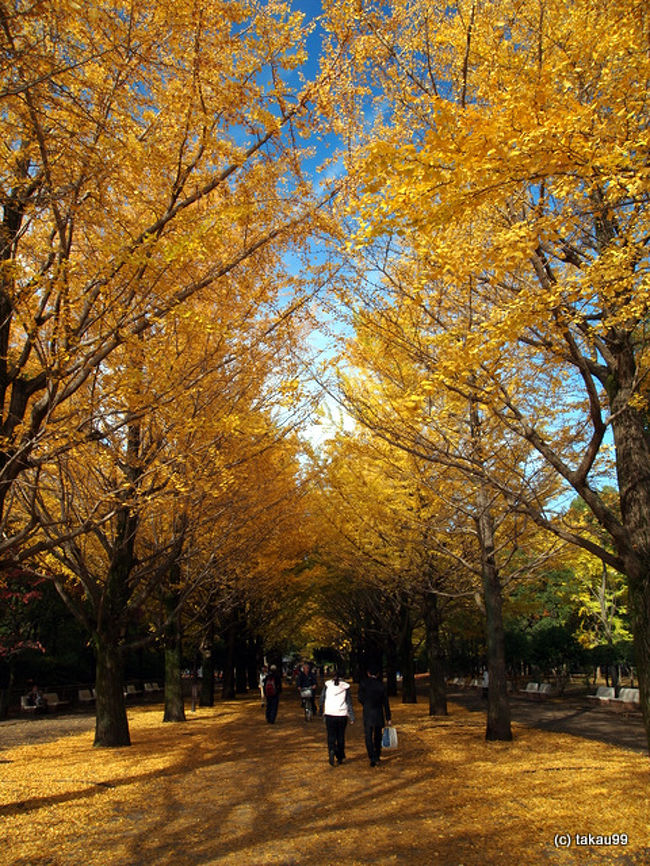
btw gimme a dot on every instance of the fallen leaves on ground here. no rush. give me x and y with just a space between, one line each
226 788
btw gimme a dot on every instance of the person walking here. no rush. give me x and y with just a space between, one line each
272 689
263 674
335 706
306 682
376 712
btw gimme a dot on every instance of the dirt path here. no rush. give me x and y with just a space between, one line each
226 788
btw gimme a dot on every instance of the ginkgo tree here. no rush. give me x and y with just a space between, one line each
239 574
150 172
153 506
392 391
149 151
406 527
510 150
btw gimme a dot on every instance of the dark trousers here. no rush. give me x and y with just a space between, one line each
272 708
335 726
373 741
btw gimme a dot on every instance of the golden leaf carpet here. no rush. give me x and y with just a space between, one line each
226 788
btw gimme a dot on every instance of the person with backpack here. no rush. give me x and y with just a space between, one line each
272 689
336 707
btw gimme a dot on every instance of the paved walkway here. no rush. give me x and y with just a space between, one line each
568 715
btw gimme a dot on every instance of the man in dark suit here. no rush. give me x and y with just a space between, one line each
376 712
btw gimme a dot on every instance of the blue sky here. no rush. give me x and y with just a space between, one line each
319 342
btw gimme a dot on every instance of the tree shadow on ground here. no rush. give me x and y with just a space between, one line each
226 788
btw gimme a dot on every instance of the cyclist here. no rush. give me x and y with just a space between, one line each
307 680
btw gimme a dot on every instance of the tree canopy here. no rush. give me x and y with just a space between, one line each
193 201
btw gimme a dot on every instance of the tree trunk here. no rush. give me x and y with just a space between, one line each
112 727
498 714
16 388
392 662
356 666
255 658
632 441
405 651
207 663
174 705
435 656
241 656
111 723
639 594
5 691
228 682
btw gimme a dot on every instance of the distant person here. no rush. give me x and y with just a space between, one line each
336 707
272 689
36 698
485 684
306 679
263 674
376 712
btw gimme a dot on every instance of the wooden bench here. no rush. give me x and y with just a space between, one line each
150 688
86 696
131 692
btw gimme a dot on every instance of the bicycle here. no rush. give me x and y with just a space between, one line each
306 697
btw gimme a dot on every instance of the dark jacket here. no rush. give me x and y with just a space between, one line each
376 709
306 681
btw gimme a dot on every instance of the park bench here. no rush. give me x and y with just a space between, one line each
86 696
24 706
150 688
628 699
531 688
537 691
53 701
130 691
603 694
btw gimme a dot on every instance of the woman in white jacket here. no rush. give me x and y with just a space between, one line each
336 706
